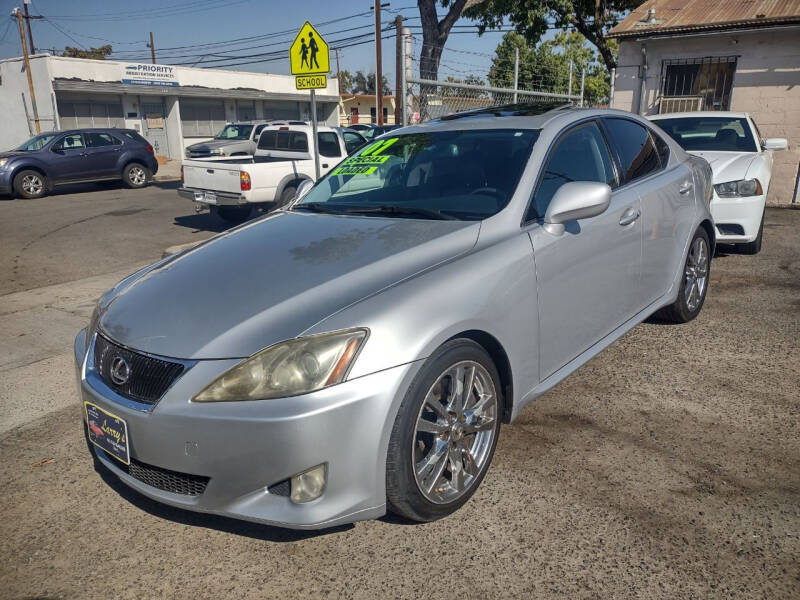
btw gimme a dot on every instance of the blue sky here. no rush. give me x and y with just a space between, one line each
179 26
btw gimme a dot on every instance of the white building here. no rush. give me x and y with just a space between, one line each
171 106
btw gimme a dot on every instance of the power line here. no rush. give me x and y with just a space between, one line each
169 11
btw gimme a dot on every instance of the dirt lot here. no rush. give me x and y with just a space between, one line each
668 467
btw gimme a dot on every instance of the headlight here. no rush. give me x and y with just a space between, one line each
739 189
288 368
3 162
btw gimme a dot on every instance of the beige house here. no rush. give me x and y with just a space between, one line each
739 55
360 108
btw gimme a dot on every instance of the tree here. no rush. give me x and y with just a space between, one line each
365 84
591 18
345 81
96 53
546 66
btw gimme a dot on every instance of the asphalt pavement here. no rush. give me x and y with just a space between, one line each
667 467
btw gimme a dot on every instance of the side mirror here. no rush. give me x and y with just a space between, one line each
576 200
775 144
302 189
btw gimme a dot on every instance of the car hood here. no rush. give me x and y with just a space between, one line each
13 153
213 144
727 166
271 280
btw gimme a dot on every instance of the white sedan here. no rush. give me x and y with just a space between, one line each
742 164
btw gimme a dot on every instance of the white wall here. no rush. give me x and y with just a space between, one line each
766 85
15 129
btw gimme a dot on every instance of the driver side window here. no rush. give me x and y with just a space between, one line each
69 142
580 155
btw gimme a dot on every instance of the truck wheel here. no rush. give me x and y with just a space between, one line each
135 175
30 184
232 214
287 195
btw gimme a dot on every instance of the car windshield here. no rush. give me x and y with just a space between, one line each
235 132
36 143
726 134
466 175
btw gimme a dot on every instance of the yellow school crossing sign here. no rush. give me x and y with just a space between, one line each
309 58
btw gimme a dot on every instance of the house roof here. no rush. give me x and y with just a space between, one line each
678 16
352 96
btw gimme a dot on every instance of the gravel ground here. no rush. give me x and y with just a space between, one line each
667 467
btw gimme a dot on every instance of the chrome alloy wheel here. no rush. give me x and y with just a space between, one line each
454 432
32 185
696 274
137 176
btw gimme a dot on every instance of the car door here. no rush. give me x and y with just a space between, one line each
68 158
588 276
102 154
667 197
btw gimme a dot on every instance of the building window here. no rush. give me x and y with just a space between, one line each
77 114
246 111
202 119
693 84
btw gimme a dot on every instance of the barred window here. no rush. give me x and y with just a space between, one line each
202 119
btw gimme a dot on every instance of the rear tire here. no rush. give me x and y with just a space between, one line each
135 175
754 247
443 440
30 184
287 195
694 283
232 214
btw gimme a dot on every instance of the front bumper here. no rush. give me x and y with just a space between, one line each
737 220
198 196
245 447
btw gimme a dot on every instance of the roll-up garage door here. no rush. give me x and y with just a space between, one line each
77 113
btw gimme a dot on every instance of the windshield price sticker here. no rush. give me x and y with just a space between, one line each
368 161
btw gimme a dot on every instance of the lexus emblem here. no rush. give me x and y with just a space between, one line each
120 370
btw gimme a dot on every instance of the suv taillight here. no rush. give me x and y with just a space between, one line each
244 180
149 148
182 181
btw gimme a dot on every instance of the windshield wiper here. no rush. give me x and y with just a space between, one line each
428 213
319 207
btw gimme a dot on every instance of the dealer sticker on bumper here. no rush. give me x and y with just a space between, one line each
108 432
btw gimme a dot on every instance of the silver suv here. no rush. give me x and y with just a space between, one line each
235 139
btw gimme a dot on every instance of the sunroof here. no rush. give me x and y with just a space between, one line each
511 110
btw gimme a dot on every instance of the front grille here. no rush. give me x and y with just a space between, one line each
199 153
148 378
166 480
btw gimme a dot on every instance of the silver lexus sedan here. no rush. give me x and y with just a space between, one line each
357 351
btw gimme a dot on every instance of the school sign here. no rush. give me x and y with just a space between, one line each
310 59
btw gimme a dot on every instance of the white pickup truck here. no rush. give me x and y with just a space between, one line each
284 157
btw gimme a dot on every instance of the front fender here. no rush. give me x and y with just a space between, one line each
492 289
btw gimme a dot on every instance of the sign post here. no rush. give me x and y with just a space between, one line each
309 59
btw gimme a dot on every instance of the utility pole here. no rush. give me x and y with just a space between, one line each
398 70
378 65
516 73
336 50
152 48
28 23
18 14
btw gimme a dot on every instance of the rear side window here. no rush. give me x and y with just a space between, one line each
328 144
132 135
287 141
257 131
662 148
637 153
580 155
96 140
352 141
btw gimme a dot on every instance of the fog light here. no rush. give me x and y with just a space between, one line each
309 485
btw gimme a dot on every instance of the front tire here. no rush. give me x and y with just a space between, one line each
30 184
694 283
135 175
445 433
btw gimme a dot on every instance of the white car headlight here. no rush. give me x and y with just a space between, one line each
288 368
3 162
739 189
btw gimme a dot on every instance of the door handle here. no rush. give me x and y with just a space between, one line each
324 165
685 188
629 216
